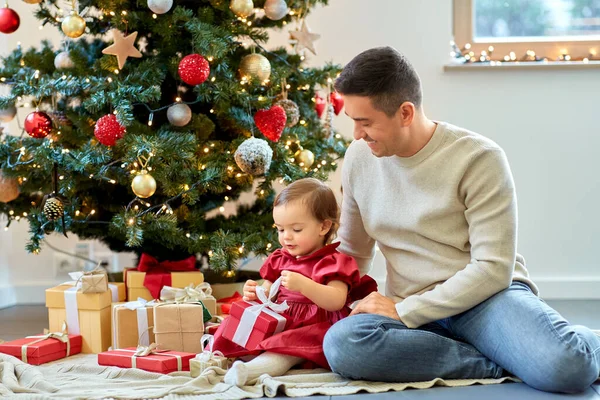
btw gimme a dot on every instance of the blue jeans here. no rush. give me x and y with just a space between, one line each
513 332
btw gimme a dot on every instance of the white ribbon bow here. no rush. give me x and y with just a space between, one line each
268 306
189 294
208 355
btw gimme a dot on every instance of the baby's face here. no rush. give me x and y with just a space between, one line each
299 232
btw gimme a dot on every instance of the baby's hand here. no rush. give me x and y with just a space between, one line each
250 290
294 281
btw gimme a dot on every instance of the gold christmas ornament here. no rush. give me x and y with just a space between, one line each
73 26
255 66
276 9
242 8
32 1
305 158
9 189
53 208
143 185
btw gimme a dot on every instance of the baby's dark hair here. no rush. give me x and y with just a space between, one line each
317 197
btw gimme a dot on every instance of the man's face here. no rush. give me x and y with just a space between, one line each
375 127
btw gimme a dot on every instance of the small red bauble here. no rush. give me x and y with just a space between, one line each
271 122
38 124
338 102
320 104
108 130
194 69
9 20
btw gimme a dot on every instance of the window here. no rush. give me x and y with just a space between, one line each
529 29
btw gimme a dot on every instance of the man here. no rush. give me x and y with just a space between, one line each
440 203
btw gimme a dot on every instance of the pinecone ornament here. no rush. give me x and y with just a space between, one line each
53 208
291 111
60 118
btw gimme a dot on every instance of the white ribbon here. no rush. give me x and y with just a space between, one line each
188 294
139 306
115 292
208 355
144 351
268 306
72 310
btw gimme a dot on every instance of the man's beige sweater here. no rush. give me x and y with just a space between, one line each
445 219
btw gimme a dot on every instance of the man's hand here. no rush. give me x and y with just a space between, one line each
375 303
294 281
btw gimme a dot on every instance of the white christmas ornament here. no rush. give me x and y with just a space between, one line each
179 114
276 9
254 156
8 114
63 60
160 6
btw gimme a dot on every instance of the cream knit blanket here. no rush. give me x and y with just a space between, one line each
80 377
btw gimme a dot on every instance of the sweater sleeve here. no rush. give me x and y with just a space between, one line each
488 191
354 240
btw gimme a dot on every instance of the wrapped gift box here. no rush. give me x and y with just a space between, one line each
90 310
208 357
179 327
136 288
39 352
224 304
132 324
162 362
200 293
257 326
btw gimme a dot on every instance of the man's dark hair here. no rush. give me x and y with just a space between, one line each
384 75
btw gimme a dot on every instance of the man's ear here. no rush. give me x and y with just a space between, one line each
325 227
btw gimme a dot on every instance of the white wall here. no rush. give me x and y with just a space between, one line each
543 119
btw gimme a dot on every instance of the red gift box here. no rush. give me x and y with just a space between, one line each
34 351
250 323
163 362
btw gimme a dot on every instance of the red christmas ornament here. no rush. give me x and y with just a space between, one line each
108 130
338 102
38 124
320 104
9 20
271 122
194 69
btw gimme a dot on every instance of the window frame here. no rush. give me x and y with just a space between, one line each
553 50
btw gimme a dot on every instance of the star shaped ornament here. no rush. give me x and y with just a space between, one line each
123 47
305 38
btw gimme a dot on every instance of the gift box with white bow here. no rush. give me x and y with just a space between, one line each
191 294
86 314
148 358
132 324
208 358
40 349
251 322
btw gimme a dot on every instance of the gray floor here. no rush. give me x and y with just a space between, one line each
20 321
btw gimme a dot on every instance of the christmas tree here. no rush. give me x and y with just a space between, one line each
155 114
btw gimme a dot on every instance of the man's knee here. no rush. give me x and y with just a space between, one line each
342 342
569 371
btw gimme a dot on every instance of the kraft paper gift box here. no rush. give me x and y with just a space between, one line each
191 294
36 350
163 362
132 324
136 288
179 327
208 358
94 282
87 314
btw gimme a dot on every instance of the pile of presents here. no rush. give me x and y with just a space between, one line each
155 320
